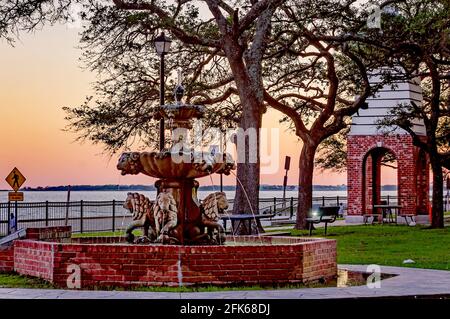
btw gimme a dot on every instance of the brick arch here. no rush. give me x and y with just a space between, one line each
371 172
412 177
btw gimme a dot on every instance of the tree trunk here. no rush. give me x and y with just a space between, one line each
437 211
246 200
305 184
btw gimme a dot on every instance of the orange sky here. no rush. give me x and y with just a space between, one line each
40 75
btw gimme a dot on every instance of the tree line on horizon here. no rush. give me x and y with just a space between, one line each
111 187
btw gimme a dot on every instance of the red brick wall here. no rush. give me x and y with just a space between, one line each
319 260
410 191
34 258
52 233
7 259
29 259
296 260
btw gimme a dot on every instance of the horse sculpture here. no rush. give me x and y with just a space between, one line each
141 209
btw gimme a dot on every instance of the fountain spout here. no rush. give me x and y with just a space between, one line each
179 89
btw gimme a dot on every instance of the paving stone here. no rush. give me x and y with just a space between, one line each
407 282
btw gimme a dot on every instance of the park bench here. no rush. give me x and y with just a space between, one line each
324 214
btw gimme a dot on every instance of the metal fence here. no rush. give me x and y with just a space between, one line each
288 206
83 216
96 216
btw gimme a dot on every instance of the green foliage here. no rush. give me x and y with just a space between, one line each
332 153
104 234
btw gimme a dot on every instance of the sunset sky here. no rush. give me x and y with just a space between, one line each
39 76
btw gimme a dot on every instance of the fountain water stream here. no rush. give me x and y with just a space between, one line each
225 211
250 205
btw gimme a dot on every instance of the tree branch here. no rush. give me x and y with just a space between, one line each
300 128
168 23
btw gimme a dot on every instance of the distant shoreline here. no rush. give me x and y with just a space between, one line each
201 188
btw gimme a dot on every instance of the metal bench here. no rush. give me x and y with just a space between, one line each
324 214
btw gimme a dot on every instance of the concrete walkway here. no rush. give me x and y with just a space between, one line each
407 282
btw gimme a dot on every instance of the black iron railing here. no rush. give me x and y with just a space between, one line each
96 216
83 216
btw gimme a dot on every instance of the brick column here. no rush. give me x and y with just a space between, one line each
406 175
422 182
354 177
368 187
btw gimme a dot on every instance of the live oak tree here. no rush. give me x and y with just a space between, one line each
419 34
319 83
262 58
237 35
118 45
416 34
243 56
403 40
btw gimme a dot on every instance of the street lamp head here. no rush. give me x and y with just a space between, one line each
162 44
365 106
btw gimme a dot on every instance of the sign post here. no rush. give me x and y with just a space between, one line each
67 206
15 179
287 165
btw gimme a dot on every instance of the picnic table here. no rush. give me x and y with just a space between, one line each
385 211
244 220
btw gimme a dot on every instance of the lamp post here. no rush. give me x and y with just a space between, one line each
162 46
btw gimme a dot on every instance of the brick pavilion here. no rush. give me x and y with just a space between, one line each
368 144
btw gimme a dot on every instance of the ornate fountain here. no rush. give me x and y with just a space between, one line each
177 219
176 216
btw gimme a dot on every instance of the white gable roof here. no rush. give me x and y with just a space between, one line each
389 97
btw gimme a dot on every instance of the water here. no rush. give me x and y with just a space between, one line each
250 206
226 212
60 196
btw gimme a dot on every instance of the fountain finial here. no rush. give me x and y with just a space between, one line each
179 89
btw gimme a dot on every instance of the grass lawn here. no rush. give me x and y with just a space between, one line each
105 234
17 281
390 245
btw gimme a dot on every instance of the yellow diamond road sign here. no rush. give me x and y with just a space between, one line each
15 179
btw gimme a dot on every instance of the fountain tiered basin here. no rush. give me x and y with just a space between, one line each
167 165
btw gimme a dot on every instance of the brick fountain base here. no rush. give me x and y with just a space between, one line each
50 253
